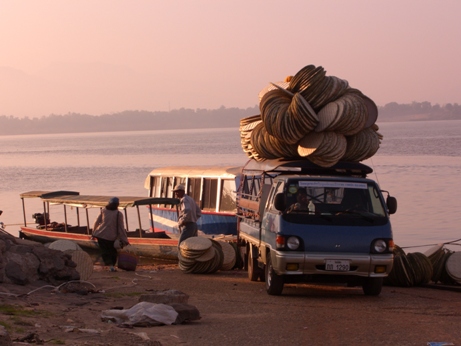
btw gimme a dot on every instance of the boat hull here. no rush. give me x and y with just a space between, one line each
154 248
210 223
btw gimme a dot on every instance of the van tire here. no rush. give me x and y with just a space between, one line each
274 282
254 272
372 286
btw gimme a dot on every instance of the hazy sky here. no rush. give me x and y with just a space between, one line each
106 56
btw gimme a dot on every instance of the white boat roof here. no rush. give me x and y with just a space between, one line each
194 172
197 171
41 193
102 201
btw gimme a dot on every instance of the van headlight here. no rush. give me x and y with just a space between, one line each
293 243
379 246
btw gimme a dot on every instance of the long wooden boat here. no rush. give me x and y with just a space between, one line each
151 243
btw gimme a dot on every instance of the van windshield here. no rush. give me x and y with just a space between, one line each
335 199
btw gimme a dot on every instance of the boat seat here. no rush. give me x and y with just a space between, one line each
78 229
54 226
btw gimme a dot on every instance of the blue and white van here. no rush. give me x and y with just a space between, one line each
299 222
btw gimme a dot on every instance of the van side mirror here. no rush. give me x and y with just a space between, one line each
279 202
391 204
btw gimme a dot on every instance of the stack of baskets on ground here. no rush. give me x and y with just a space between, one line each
437 265
313 116
200 255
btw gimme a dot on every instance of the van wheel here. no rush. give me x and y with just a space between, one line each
254 272
274 282
372 286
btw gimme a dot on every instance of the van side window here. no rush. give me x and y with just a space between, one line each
376 204
275 191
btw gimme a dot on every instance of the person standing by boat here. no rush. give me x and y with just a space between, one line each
189 213
107 228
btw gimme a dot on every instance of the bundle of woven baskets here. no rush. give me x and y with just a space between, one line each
437 265
314 116
200 255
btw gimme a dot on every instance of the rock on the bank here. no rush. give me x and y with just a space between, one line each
23 262
5 339
165 297
178 300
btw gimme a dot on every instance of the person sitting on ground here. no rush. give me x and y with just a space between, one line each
107 228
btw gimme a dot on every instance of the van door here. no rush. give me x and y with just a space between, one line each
270 220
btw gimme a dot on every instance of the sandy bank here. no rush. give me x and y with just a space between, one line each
233 311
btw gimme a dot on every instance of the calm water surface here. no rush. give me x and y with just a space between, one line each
418 162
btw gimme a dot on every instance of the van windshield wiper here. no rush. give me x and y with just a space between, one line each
356 212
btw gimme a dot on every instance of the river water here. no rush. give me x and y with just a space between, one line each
418 162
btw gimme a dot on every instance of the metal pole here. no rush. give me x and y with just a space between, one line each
44 215
24 212
126 220
65 218
78 216
151 216
139 221
87 222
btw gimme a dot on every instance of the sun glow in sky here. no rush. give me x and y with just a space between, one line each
106 56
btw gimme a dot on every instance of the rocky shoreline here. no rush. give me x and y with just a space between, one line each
23 262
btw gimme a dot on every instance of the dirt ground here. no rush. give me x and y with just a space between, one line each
234 311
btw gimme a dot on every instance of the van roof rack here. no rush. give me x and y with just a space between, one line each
297 166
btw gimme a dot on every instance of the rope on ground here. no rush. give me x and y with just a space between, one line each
112 288
68 282
453 242
55 288
143 276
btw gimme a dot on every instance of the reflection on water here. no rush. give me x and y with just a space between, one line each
425 189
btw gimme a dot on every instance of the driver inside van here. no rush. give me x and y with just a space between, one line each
302 201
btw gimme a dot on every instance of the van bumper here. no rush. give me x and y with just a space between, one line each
300 263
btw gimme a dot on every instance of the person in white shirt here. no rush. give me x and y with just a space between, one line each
189 213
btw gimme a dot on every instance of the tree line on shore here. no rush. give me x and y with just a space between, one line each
188 118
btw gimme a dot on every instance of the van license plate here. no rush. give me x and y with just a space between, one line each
341 266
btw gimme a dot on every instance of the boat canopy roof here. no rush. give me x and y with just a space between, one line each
195 172
44 194
91 201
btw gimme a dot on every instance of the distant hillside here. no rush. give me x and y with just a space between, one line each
127 121
418 111
189 118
